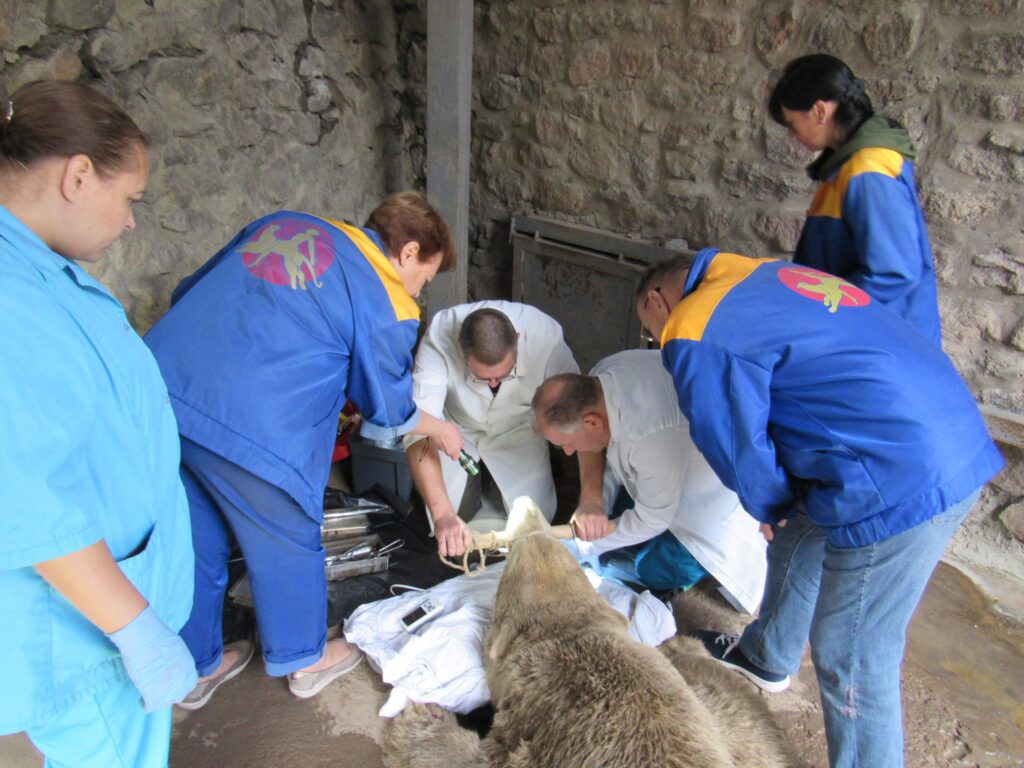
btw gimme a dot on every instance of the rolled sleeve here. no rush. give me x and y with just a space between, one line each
389 437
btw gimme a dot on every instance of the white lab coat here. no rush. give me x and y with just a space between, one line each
498 429
652 455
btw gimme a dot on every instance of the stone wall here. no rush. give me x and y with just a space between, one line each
253 106
649 119
643 118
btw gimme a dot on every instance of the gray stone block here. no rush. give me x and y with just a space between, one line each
1012 518
960 207
22 23
589 63
988 164
79 15
637 60
994 54
1011 139
780 232
981 8
550 26
714 32
1001 270
774 33
760 181
891 36
560 196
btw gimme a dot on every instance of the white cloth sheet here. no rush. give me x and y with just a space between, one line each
442 661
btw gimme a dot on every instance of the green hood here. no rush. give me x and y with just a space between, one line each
876 131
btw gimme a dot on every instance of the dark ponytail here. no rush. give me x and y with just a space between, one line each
821 77
58 118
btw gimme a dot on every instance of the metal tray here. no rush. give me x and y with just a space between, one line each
346 568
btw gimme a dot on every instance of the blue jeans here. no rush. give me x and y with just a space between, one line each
854 605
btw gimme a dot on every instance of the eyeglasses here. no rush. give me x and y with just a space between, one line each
645 335
499 379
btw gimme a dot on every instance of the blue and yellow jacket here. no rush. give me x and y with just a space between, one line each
804 392
264 343
865 224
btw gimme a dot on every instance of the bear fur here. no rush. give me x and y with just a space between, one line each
572 689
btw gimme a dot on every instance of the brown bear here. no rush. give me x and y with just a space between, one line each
572 689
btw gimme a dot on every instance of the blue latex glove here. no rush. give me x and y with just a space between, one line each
156 659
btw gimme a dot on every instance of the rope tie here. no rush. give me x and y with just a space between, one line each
491 543
484 544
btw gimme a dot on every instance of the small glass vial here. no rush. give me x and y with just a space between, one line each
467 463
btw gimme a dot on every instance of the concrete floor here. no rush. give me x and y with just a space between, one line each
963 698
963 685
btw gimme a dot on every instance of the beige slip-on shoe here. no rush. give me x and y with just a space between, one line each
305 685
203 691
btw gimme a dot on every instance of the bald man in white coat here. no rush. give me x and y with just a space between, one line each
483 382
636 421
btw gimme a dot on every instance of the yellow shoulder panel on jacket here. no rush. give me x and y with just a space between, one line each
690 317
872 160
405 306
828 199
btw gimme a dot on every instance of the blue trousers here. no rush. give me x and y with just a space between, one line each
106 729
283 555
658 563
854 605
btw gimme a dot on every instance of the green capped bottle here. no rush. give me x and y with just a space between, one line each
467 463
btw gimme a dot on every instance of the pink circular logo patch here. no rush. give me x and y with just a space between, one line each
832 291
291 252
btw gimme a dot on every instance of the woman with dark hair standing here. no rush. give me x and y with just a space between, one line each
865 223
261 348
95 548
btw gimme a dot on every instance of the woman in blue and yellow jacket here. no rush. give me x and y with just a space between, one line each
865 223
260 350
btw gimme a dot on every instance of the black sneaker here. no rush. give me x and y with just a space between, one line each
725 650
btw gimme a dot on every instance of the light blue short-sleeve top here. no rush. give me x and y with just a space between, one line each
88 451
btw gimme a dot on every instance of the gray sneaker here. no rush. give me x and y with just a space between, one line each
203 691
305 685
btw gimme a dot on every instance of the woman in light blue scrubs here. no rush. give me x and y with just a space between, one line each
95 544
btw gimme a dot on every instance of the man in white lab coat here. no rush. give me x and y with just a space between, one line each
683 519
478 366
